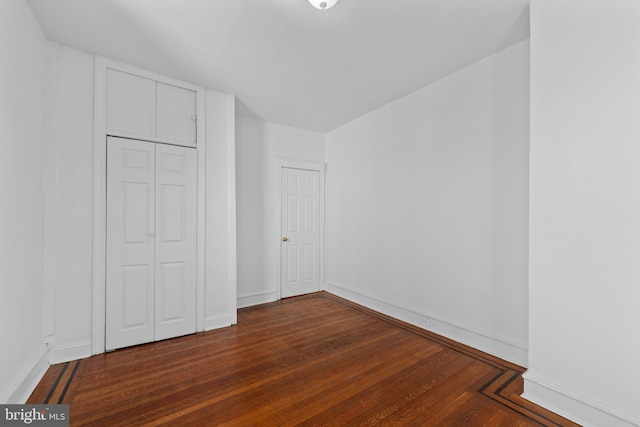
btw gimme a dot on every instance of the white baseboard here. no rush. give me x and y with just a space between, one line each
502 347
68 352
217 322
574 406
28 378
255 299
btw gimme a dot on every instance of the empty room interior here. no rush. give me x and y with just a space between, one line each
255 192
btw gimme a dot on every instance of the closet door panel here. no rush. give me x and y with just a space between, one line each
130 281
176 213
176 114
131 104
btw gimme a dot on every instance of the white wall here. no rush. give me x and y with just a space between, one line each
258 145
69 202
427 206
220 250
22 81
585 210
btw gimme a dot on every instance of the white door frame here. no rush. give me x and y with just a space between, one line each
286 163
98 333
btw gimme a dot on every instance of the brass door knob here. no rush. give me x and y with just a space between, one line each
284 239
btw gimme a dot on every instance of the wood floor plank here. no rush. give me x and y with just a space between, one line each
310 360
49 383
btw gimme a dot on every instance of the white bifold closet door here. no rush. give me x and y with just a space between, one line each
151 242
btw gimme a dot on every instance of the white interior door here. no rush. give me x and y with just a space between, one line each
130 243
176 204
300 247
151 242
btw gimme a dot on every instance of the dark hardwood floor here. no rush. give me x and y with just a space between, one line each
311 360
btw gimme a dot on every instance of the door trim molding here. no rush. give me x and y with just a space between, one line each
288 163
100 134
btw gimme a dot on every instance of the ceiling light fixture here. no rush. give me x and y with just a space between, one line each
323 4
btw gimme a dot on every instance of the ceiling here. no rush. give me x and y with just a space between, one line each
286 61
